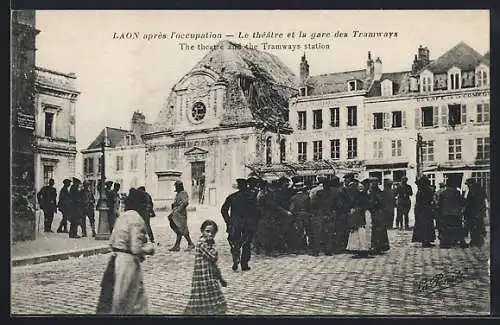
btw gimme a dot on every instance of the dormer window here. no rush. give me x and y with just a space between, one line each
426 81
454 78
386 88
482 79
128 140
352 85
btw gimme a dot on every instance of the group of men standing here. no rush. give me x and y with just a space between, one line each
76 203
336 217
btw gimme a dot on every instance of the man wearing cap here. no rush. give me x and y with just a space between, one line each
47 199
64 206
110 201
450 221
238 211
300 207
178 217
474 213
403 203
76 207
89 209
146 210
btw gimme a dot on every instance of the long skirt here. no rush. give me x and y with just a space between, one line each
129 296
361 238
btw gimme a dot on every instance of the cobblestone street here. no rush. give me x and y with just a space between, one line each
285 285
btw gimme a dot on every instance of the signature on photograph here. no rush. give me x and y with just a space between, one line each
438 282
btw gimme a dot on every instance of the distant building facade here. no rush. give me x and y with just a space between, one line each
55 142
125 156
222 120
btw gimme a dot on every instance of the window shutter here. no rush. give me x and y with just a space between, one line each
464 114
387 120
403 118
374 122
444 115
435 116
418 116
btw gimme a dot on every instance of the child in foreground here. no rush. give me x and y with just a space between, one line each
206 294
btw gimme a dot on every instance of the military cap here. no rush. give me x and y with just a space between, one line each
66 181
178 182
76 181
108 183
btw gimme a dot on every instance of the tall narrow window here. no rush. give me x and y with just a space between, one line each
269 152
396 148
133 162
317 150
352 148
317 119
302 122
378 149
49 124
455 149
99 165
282 150
454 114
302 151
335 116
483 148
428 150
378 121
335 149
483 113
397 119
482 78
352 115
119 163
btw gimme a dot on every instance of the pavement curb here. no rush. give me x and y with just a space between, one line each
37 259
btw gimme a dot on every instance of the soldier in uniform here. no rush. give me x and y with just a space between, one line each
76 207
403 203
47 199
146 210
110 201
238 211
89 209
474 213
300 207
178 218
64 206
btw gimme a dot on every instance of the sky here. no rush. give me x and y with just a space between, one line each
118 76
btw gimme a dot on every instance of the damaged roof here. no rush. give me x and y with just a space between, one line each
115 136
259 86
335 82
400 83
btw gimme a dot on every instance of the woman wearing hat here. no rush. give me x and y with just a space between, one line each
359 222
424 214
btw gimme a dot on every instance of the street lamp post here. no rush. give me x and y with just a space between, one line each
103 228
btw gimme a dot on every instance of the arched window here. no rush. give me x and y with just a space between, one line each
282 150
269 151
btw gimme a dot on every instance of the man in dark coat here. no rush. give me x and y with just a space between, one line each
380 240
110 201
47 199
450 207
300 207
178 217
474 213
77 207
238 211
330 205
146 210
89 209
388 202
64 206
403 203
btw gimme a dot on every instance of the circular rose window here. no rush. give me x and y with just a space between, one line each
198 111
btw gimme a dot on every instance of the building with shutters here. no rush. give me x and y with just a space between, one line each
446 101
55 114
125 156
226 118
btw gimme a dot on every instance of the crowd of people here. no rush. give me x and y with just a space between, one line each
77 203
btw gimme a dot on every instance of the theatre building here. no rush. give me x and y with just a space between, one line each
222 120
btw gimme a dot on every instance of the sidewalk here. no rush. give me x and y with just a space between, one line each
54 246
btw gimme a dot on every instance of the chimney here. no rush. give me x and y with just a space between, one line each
304 70
377 70
138 125
369 65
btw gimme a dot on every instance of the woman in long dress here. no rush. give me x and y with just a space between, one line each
359 222
122 284
424 232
